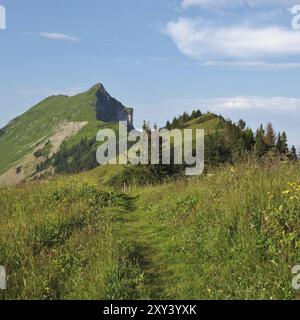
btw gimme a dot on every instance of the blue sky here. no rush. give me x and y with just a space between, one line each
240 58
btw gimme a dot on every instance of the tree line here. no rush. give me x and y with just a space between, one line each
230 141
227 143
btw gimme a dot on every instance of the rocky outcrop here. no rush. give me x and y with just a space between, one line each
109 109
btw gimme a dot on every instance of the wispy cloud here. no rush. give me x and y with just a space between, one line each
53 36
210 3
58 36
201 40
254 102
254 64
275 104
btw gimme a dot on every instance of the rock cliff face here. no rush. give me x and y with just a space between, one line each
109 109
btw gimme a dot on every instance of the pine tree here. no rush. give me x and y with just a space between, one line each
285 143
185 117
174 123
241 124
260 144
270 137
145 127
248 137
168 125
281 144
293 153
198 113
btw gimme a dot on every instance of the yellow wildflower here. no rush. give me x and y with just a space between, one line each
292 184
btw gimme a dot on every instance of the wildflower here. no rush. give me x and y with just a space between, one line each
286 192
292 184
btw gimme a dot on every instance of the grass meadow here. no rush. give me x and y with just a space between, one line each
230 234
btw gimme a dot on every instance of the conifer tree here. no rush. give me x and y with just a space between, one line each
198 113
260 144
241 124
281 144
293 153
174 123
168 125
270 137
284 143
185 117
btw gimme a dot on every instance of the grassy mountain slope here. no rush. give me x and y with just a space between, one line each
183 240
40 122
209 122
23 135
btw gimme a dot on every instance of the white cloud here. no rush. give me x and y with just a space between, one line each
254 64
200 40
58 36
253 102
210 3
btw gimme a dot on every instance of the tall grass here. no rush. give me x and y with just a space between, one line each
56 242
232 234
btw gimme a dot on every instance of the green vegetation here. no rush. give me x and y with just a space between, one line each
80 157
25 133
228 142
45 151
39 123
148 232
73 237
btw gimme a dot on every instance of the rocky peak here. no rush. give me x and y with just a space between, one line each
109 109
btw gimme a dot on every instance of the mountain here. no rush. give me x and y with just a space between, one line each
40 132
58 135
109 109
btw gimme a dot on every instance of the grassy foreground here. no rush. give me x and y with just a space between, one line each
233 234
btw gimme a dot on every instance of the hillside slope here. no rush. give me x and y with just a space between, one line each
54 121
191 239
